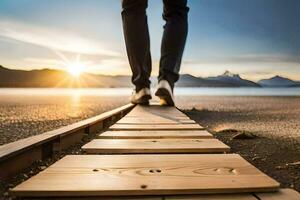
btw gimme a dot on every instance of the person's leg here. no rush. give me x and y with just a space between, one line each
137 41
175 32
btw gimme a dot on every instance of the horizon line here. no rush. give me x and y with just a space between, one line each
114 75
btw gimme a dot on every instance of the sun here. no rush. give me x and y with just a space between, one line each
75 69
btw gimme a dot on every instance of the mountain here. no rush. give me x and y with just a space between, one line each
234 80
278 81
187 80
59 78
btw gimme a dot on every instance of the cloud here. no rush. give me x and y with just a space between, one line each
248 58
44 61
269 58
109 66
51 38
250 66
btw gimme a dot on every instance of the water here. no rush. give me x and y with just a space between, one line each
127 92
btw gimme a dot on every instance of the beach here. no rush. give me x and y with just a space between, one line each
272 117
275 117
273 120
24 116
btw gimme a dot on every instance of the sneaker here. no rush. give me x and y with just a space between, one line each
141 97
165 93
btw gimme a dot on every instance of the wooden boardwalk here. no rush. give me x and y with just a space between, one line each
159 151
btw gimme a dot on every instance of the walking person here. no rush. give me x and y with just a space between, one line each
137 40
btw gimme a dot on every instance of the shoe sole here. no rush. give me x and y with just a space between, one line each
144 100
164 95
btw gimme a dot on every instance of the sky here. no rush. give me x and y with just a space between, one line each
254 38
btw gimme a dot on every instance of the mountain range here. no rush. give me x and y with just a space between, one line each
59 78
278 81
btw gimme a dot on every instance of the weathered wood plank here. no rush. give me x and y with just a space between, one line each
155 110
201 134
153 107
105 175
115 146
184 117
154 120
117 127
283 194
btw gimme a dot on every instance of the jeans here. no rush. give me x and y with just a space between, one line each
136 34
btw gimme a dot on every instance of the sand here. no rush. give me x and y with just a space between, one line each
24 116
273 117
277 118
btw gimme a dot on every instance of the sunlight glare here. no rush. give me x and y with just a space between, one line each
75 69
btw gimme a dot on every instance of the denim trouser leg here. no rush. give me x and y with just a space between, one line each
137 41
174 37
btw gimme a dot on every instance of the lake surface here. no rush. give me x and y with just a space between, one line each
127 91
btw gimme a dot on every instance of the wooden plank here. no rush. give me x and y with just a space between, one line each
157 108
160 116
186 121
153 117
20 162
283 194
200 134
154 110
156 117
156 120
118 127
115 146
106 175
177 114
